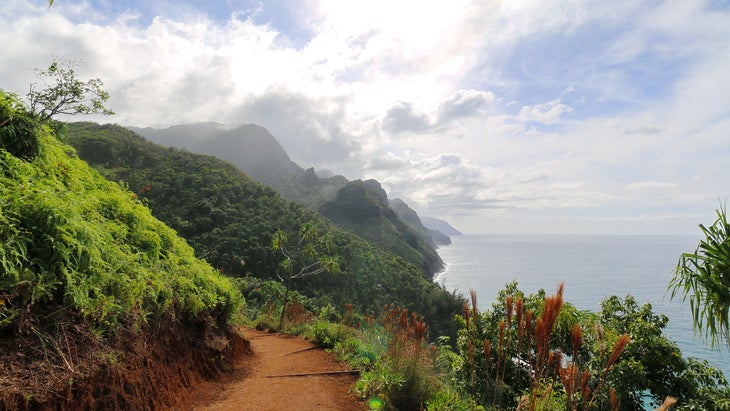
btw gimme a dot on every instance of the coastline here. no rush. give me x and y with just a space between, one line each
639 265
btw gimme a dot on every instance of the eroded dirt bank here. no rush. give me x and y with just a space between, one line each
67 368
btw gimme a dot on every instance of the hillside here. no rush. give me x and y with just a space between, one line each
101 304
254 150
434 237
229 219
249 147
363 208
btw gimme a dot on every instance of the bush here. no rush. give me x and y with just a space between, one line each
326 334
69 239
17 128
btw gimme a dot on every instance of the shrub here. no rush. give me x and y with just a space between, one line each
72 240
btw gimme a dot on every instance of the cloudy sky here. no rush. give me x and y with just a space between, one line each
534 116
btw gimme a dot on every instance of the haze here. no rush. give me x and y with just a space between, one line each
565 117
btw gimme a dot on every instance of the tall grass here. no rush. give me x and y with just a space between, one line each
397 362
520 351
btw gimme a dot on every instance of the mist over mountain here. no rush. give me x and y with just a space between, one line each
249 147
357 206
439 225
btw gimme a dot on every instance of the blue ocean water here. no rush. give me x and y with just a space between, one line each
592 267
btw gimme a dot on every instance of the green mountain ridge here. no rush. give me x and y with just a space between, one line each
439 225
229 219
249 147
363 208
254 150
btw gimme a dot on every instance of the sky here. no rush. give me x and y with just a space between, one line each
501 117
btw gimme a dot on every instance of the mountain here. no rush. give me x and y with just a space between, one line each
255 151
439 225
363 208
409 215
249 147
230 220
182 136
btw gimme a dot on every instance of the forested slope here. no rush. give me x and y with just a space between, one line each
254 150
230 219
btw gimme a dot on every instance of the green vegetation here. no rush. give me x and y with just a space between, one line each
302 259
76 248
704 277
544 353
73 240
88 276
362 208
530 351
65 94
230 220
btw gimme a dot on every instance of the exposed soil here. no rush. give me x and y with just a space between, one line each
259 381
188 365
66 367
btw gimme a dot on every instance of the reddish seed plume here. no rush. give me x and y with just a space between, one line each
569 379
475 307
599 336
502 326
619 348
584 388
551 310
539 331
467 316
508 304
528 325
404 319
519 313
576 335
487 350
558 359
614 399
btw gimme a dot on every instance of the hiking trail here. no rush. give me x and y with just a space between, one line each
283 373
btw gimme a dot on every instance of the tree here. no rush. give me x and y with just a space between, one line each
65 94
303 259
704 277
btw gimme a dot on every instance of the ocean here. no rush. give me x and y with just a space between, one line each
592 267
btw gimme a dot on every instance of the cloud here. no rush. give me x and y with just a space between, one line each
448 183
446 105
402 117
646 130
545 113
650 185
464 103
310 129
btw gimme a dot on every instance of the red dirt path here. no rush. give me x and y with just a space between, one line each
251 388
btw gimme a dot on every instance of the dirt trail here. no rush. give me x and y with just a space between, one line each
257 383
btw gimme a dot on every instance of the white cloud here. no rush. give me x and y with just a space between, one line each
546 113
650 185
637 91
